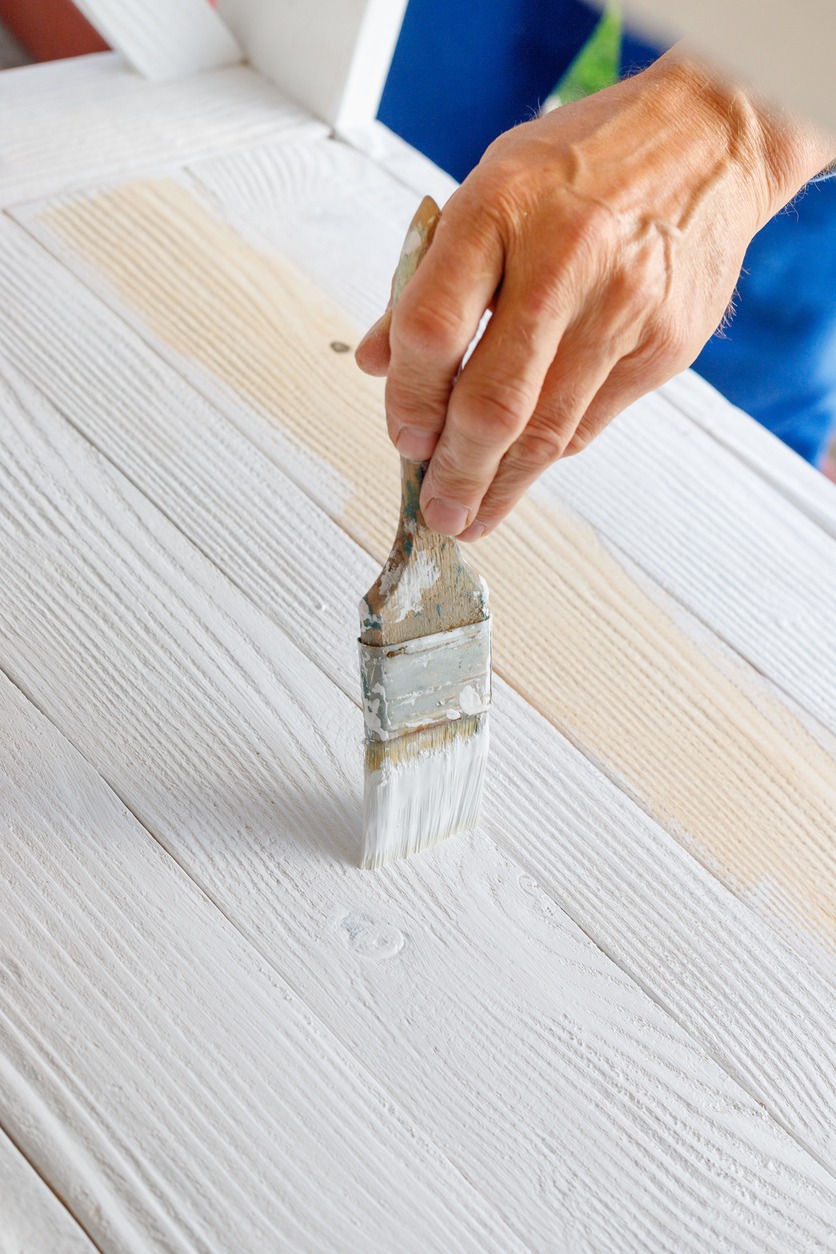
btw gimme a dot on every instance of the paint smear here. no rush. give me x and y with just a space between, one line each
744 786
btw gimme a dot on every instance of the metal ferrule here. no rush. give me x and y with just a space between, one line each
429 680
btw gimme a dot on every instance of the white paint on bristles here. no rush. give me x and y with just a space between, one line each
414 801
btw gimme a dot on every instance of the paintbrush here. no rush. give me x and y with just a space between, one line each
425 666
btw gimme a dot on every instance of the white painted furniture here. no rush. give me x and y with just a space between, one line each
604 1021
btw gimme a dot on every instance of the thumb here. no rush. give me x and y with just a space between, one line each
372 353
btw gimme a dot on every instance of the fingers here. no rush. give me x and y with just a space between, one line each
435 321
570 388
372 354
493 400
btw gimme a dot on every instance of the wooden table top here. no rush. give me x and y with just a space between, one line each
601 1022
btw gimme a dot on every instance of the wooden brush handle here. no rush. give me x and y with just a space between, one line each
427 585
418 239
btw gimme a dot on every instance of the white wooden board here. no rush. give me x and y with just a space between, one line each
164 38
574 1104
68 123
32 1220
808 490
168 1082
659 711
698 951
331 55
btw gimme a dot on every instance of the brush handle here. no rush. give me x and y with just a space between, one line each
427 585
418 239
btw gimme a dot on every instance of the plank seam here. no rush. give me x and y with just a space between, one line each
741 456
65 1206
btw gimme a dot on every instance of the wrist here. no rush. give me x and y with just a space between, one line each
775 152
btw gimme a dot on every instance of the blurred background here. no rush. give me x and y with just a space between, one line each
464 72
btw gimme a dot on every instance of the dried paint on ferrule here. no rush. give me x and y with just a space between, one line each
429 680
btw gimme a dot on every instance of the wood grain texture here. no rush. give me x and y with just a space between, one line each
809 491
700 952
400 160
167 1081
33 1219
69 123
165 38
585 1115
618 675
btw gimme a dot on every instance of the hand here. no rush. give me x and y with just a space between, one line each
607 237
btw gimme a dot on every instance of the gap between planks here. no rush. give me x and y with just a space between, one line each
35 1218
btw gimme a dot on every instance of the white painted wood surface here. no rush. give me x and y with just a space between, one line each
492 1022
698 951
72 123
330 55
810 493
32 1218
659 742
164 38
659 1083
166 1079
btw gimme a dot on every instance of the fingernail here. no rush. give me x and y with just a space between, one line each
446 516
416 444
474 532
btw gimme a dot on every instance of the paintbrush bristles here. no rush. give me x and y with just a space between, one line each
422 788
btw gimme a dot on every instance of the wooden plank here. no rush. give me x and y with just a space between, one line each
164 39
484 1012
740 992
400 160
33 1218
622 677
752 567
331 56
789 474
69 123
167 1081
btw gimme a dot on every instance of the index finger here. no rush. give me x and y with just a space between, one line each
435 320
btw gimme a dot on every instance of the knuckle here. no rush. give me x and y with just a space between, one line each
430 329
493 413
453 476
589 234
535 450
669 345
